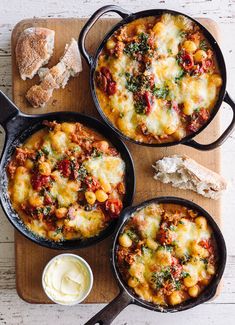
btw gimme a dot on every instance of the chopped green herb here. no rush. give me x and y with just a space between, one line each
121 115
158 278
139 107
161 92
82 172
177 284
146 250
180 76
185 258
172 227
182 34
184 274
169 51
45 151
204 260
46 210
203 45
39 154
133 236
165 247
96 153
137 83
58 230
141 46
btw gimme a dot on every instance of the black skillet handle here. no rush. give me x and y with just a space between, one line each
110 312
223 137
100 12
8 110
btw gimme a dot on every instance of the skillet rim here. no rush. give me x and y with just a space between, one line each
33 123
210 290
220 61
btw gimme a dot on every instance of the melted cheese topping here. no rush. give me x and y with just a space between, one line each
186 234
107 169
64 190
169 250
183 88
21 185
54 178
88 223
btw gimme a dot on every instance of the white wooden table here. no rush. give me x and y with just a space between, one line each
222 310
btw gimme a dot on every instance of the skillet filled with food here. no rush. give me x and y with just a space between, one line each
168 255
65 177
158 78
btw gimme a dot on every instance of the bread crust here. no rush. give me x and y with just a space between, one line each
190 175
33 50
56 77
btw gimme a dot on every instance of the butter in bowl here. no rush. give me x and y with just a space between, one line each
67 279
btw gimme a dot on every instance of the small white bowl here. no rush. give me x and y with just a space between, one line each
89 271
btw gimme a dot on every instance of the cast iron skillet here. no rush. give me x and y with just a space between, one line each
128 17
127 297
18 128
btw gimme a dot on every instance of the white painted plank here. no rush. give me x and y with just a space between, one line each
23 313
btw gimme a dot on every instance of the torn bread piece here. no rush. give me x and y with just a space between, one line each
185 173
34 49
56 77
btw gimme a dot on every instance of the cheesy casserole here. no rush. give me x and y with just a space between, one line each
157 79
66 182
167 254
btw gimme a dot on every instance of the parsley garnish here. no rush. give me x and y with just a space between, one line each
141 46
161 92
137 83
58 230
185 258
182 34
133 236
146 250
172 227
184 274
180 76
82 172
177 284
158 278
45 151
139 107
203 45
96 153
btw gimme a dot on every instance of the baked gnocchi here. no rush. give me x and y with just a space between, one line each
157 79
166 253
66 182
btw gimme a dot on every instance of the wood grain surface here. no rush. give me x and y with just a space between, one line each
31 258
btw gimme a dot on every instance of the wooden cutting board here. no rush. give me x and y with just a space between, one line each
31 258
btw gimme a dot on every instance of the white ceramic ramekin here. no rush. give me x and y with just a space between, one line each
88 268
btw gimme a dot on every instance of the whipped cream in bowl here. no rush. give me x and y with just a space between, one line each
67 279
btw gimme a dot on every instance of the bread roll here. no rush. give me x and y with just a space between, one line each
185 173
56 77
33 50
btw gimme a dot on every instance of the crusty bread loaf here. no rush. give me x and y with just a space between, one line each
185 173
33 50
56 77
